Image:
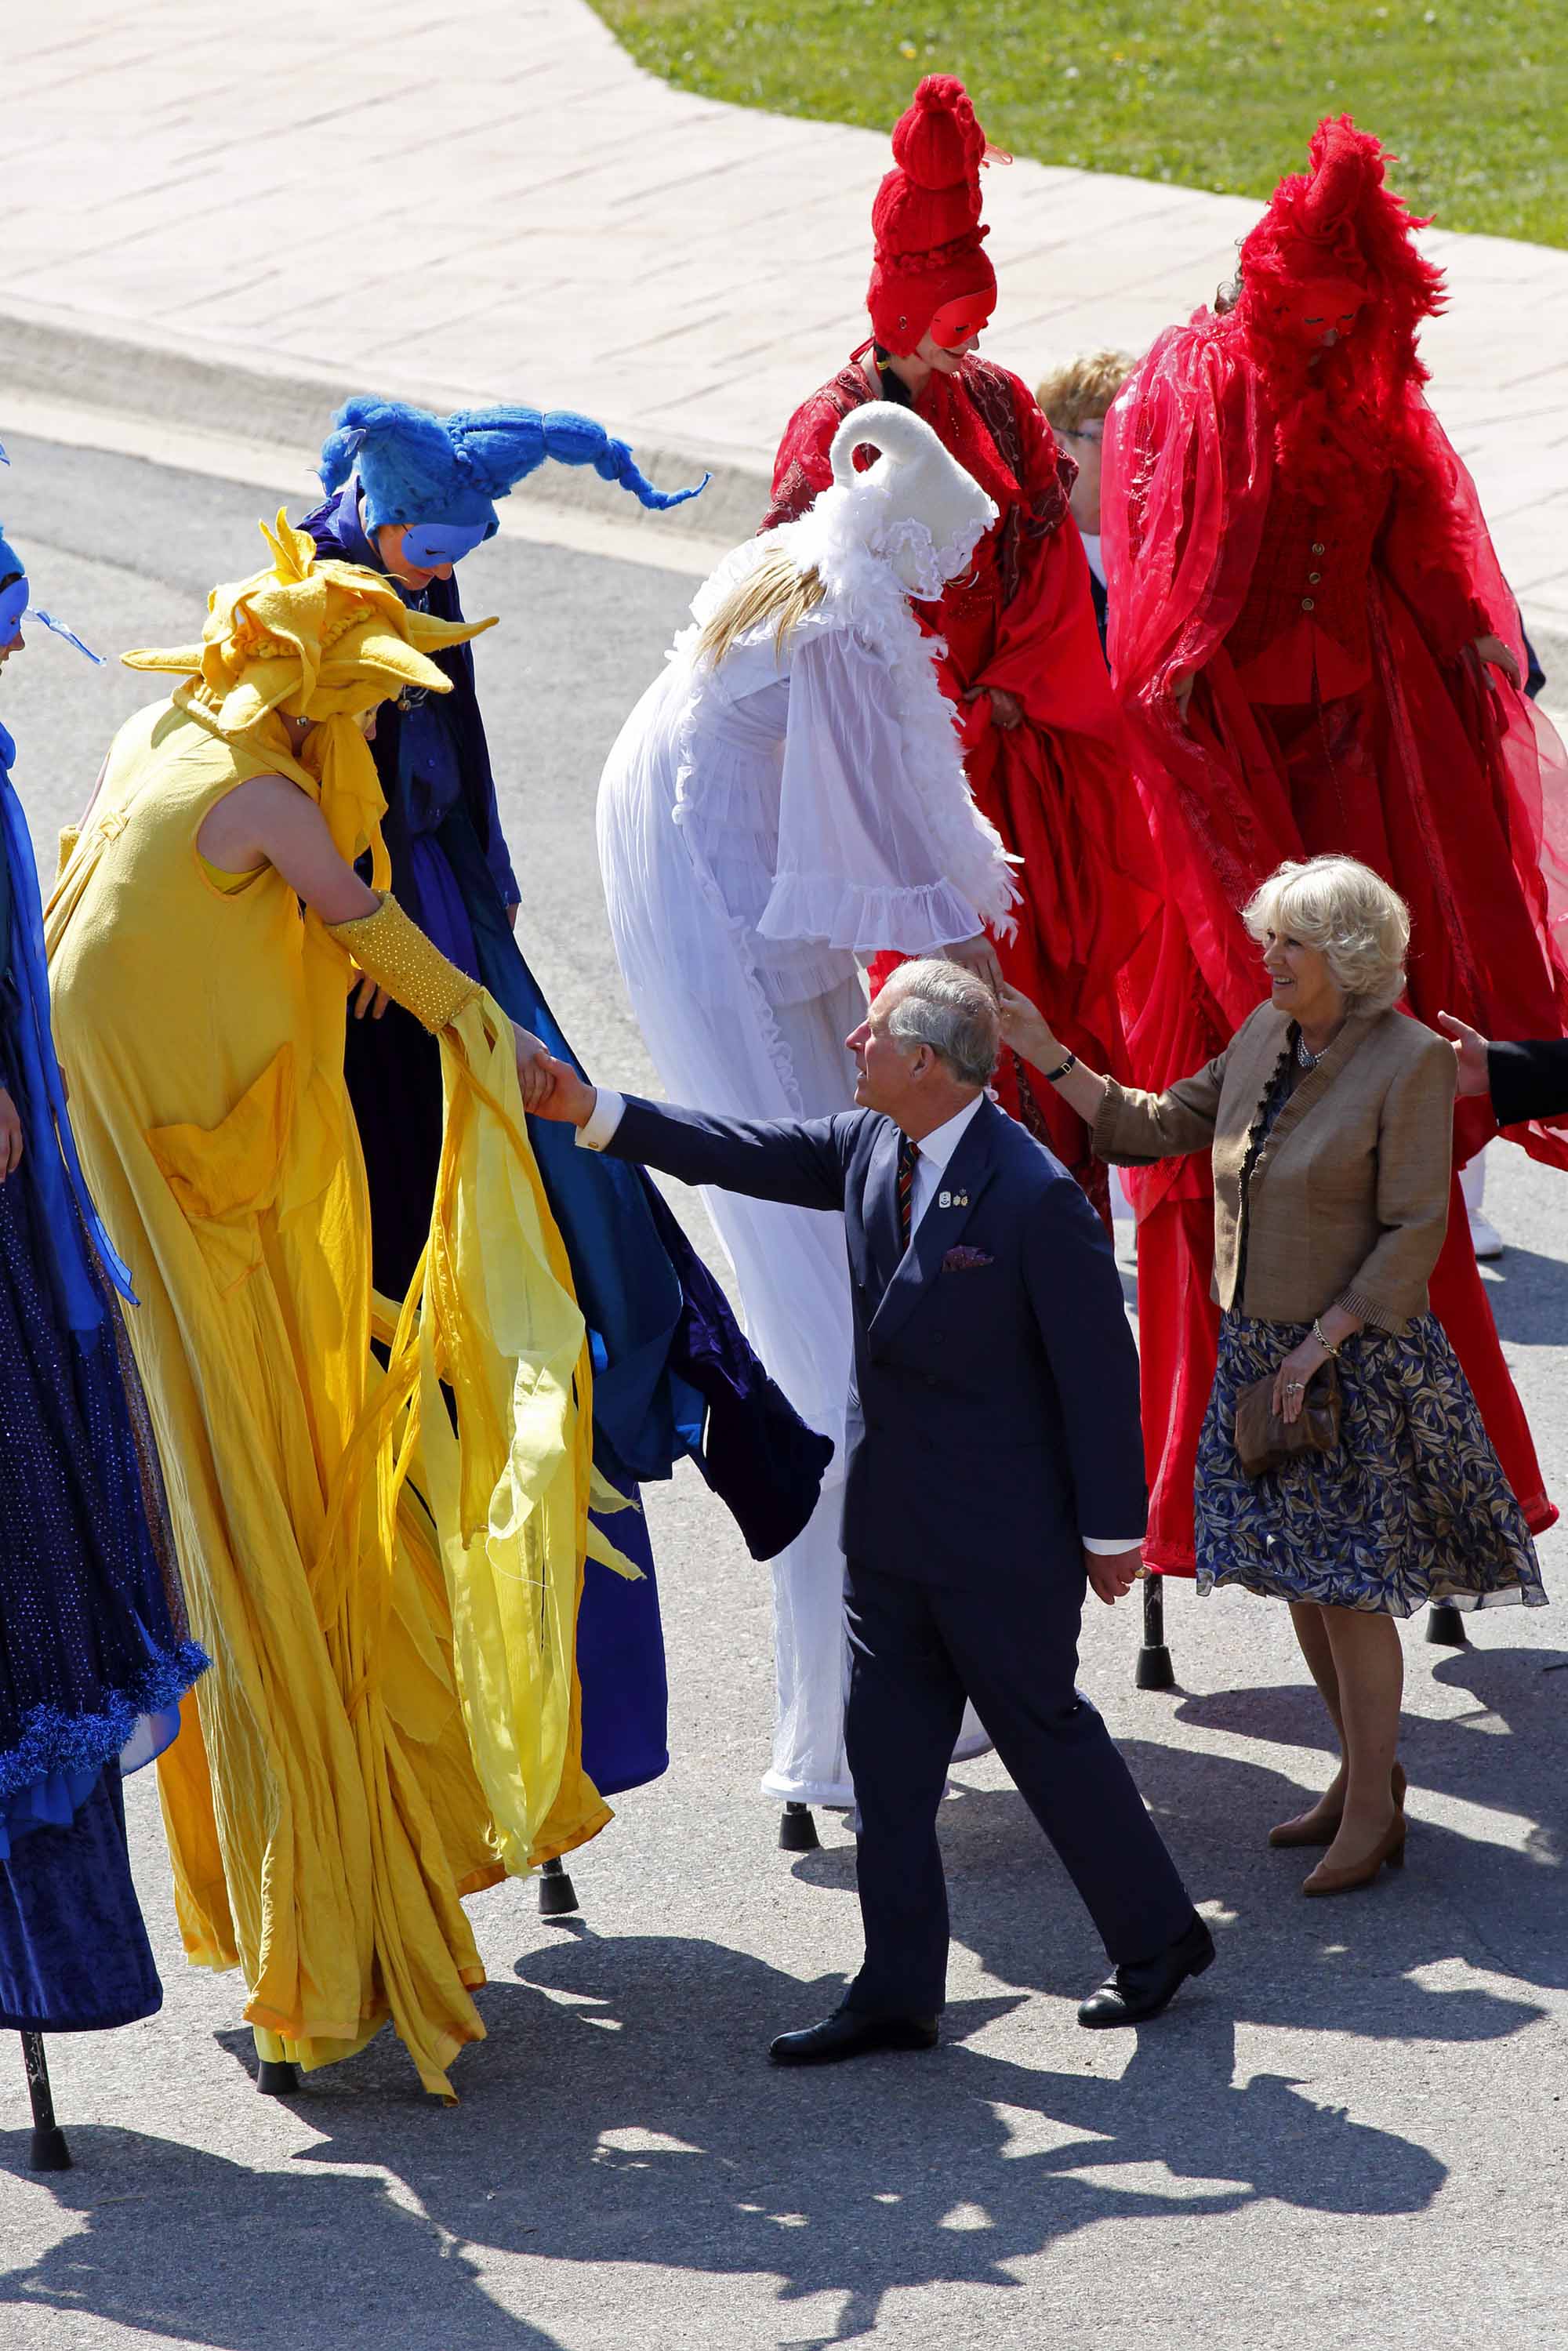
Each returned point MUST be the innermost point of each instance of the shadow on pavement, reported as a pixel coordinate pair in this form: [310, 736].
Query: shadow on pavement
[187, 2247]
[622, 2112]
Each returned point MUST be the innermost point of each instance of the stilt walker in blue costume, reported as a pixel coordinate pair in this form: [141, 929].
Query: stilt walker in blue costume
[410, 494]
[95, 1656]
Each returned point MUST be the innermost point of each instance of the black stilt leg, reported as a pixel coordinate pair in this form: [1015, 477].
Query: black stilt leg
[50, 2151]
[558, 1896]
[797, 1830]
[1155, 1669]
[277, 2080]
[1445, 1625]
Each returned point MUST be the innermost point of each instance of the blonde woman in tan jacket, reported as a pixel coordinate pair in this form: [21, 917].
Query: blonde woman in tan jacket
[1330, 1117]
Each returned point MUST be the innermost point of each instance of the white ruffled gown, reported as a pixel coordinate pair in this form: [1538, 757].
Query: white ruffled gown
[763, 828]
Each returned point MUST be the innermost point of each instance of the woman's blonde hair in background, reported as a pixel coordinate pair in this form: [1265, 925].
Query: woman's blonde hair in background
[1082, 389]
[776, 590]
[1359, 925]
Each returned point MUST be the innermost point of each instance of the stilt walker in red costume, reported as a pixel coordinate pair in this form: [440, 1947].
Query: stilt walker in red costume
[1042, 739]
[1316, 651]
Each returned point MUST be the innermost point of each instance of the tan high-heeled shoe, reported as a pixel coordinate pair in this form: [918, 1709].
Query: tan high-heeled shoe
[1389, 1850]
[1321, 1828]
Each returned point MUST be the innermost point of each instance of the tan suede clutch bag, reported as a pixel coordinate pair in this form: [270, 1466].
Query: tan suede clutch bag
[1265, 1442]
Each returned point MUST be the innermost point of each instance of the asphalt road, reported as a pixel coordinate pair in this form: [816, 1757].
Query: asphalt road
[1350, 2134]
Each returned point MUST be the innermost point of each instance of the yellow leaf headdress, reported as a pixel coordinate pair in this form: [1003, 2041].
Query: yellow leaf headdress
[317, 641]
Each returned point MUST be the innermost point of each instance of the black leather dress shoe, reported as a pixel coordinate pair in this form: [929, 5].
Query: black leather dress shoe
[846, 2033]
[1139, 1988]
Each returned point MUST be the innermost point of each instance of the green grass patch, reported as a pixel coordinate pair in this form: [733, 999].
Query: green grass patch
[1218, 94]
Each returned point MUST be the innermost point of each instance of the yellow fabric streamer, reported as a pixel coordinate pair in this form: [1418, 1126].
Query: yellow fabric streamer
[393, 1715]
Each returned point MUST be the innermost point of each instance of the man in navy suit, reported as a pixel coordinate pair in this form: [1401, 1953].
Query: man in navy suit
[995, 1464]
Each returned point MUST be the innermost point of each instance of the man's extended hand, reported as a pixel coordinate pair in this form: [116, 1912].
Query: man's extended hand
[1113, 1573]
[567, 1099]
[1470, 1052]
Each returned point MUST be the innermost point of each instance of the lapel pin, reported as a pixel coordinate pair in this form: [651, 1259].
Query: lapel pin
[960, 1200]
[943, 1200]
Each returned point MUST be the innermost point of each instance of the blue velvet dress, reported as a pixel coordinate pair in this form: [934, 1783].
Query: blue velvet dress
[94, 1651]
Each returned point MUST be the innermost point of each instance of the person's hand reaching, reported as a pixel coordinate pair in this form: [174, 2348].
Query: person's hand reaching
[569, 1100]
[1025, 1029]
[978, 955]
[535, 1071]
[1470, 1052]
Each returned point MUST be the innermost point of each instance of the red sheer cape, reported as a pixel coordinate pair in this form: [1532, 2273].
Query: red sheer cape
[1472, 825]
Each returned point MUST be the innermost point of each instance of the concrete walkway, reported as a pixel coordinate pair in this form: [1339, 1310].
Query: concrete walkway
[221, 224]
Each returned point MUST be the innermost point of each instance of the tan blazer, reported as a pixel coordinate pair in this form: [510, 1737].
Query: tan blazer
[1348, 1201]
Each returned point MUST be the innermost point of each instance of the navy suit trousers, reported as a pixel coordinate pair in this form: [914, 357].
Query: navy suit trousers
[1011, 1645]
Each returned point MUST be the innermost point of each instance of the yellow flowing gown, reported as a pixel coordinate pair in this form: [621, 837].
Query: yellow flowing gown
[392, 1718]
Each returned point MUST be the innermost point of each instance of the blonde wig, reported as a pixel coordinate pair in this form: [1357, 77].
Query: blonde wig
[775, 590]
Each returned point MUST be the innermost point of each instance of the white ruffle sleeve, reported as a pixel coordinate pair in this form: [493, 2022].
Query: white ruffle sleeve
[864, 861]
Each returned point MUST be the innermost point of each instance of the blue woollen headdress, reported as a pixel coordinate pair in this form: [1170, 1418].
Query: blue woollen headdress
[414, 467]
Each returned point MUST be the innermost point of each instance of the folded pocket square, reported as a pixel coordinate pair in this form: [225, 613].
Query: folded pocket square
[964, 1260]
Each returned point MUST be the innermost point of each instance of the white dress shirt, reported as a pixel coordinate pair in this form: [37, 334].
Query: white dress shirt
[935, 1150]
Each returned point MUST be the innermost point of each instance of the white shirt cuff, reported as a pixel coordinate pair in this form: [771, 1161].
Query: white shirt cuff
[1101, 1545]
[601, 1121]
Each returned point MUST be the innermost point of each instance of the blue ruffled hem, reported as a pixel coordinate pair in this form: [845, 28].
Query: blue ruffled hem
[132, 1725]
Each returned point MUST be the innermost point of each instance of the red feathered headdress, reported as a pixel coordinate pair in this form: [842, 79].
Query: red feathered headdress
[1339, 222]
[1336, 249]
[926, 220]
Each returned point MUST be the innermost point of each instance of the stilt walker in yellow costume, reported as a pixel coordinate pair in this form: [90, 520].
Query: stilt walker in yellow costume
[388, 1590]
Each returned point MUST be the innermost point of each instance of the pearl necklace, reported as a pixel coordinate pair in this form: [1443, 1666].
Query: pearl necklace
[1305, 1059]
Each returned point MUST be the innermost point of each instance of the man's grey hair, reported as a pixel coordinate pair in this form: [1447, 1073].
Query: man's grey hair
[944, 1006]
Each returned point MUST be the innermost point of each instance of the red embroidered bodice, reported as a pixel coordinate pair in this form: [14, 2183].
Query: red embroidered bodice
[989, 420]
[1306, 612]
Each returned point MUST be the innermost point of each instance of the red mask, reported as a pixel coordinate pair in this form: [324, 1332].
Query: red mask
[1310, 307]
[959, 322]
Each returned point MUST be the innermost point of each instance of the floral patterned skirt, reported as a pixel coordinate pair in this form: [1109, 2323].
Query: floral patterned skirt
[1410, 1507]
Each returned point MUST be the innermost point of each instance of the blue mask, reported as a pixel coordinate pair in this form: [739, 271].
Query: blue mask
[428, 544]
[14, 608]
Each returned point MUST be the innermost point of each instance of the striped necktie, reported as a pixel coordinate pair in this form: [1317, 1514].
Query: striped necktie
[908, 1152]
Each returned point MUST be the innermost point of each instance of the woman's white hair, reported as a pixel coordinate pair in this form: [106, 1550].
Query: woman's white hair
[1358, 925]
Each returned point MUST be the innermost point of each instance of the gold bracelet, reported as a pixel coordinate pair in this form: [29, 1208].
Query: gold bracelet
[1322, 1341]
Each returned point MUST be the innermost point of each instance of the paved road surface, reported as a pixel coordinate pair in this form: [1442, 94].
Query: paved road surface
[494, 203]
[1350, 2135]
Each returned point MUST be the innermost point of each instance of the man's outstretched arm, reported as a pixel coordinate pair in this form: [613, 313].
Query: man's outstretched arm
[798, 1161]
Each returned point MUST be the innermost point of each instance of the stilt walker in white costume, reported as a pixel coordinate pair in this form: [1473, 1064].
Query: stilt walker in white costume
[787, 799]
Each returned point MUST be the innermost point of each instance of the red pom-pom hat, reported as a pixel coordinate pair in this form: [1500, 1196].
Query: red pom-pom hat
[930, 269]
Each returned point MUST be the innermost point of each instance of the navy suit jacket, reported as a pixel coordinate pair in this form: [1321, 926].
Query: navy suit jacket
[993, 1418]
